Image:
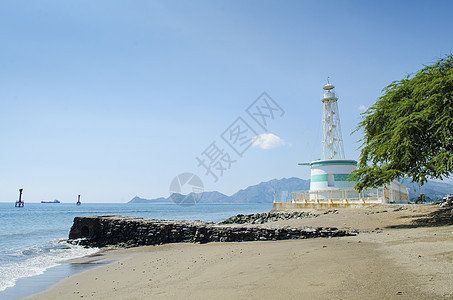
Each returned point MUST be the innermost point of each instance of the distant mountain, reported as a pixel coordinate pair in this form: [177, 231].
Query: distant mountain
[432, 189]
[214, 197]
[264, 192]
[137, 199]
[260, 193]
[205, 197]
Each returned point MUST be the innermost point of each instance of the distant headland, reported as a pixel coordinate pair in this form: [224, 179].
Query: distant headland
[264, 192]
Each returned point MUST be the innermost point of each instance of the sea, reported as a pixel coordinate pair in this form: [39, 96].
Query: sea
[33, 237]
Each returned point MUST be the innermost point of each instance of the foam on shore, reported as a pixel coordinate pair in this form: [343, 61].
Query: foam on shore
[41, 259]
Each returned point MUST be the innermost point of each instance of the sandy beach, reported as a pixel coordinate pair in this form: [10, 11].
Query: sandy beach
[401, 252]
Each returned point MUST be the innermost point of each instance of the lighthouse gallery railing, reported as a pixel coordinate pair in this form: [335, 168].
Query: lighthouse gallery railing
[340, 196]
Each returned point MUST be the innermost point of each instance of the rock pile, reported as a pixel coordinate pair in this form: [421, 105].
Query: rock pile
[267, 217]
[99, 231]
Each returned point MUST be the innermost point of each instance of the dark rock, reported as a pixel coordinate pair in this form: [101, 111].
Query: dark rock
[120, 231]
[261, 218]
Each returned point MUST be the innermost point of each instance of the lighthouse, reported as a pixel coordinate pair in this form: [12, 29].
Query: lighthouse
[333, 170]
[330, 184]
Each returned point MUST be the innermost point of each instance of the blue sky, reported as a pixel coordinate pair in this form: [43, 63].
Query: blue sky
[112, 99]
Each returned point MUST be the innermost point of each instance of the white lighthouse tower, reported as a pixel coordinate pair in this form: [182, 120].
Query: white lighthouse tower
[332, 171]
[332, 142]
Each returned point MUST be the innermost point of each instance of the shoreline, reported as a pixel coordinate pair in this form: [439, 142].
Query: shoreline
[42, 282]
[34, 251]
[393, 256]
[44, 265]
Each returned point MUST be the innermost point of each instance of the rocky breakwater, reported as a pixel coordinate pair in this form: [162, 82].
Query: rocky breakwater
[100, 231]
[262, 218]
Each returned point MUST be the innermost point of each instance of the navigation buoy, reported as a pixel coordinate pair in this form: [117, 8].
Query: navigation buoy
[20, 203]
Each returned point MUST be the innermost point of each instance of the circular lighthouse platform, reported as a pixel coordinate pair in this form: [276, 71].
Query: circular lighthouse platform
[331, 174]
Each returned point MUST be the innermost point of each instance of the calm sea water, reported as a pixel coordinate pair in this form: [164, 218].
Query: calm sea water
[32, 238]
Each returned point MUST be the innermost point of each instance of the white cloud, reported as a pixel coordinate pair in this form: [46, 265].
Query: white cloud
[362, 108]
[267, 141]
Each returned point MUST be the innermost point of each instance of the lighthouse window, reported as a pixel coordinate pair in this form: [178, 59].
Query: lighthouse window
[330, 180]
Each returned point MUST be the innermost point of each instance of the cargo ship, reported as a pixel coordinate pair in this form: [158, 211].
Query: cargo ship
[54, 201]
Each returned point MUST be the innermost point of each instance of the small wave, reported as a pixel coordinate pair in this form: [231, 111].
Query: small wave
[34, 250]
[26, 234]
[36, 265]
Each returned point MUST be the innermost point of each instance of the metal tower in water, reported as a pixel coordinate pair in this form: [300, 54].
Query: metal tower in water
[332, 142]
[20, 203]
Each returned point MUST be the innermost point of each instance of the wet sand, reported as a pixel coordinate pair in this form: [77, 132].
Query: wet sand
[401, 253]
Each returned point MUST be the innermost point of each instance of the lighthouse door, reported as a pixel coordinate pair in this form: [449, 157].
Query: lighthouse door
[330, 180]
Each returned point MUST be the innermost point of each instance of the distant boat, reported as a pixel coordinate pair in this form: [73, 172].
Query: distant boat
[54, 201]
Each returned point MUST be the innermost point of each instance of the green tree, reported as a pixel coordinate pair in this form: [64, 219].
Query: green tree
[421, 199]
[408, 131]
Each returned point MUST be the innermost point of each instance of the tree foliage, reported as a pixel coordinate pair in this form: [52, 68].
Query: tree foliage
[408, 131]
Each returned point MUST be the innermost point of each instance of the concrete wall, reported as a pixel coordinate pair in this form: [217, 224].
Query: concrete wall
[397, 193]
